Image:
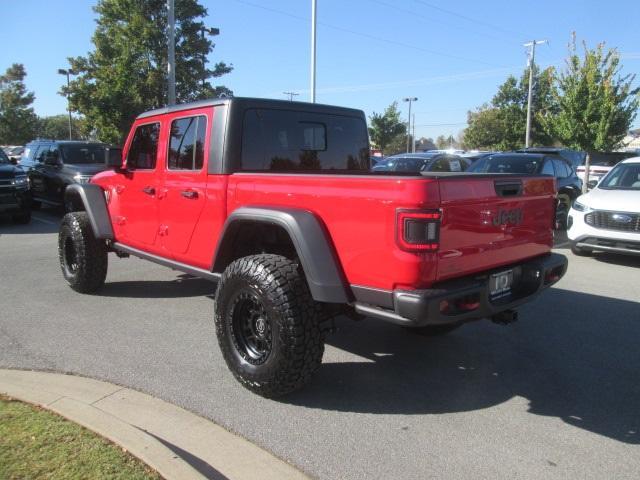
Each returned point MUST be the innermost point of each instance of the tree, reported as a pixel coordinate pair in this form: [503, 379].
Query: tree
[57, 127]
[425, 144]
[596, 104]
[17, 118]
[387, 131]
[501, 125]
[126, 73]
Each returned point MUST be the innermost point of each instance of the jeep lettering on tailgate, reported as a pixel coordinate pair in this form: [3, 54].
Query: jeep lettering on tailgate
[508, 217]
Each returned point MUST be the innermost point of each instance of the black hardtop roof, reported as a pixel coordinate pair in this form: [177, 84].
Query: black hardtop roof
[248, 102]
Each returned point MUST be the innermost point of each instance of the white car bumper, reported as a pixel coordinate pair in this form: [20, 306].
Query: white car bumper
[611, 236]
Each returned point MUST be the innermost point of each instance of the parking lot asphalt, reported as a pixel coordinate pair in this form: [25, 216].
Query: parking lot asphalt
[555, 395]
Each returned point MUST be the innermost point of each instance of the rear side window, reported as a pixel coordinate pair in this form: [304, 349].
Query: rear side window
[186, 148]
[562, 169]
[289, 141]
[144, 147]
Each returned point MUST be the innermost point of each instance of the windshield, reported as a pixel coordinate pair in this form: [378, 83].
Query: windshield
[625, 176]
[402, 164]
[521, 164]
[75, 154]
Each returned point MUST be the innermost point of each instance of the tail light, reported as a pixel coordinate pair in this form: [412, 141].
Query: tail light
[418, 230]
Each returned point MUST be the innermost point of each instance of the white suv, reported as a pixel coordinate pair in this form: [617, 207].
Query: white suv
[608, 217]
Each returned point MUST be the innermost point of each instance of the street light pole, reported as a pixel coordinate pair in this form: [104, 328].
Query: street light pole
[171, 48]
[314, 11]
[68, 72]
[532, 60]
[213, 32]
[410, 100]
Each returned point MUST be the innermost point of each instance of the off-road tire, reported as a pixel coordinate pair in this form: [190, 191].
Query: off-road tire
[580, 252]
[83, 258]
[22, 218]
[433, 330]
[276, 285]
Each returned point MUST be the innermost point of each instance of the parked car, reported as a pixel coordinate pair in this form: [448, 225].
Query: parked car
[276, 202]
[575, 157]
[608, 217]
[422, 162]
[474, 155]
[53, 165]
[601, 163]
[14, 153]
[568, 184]
[15, 197]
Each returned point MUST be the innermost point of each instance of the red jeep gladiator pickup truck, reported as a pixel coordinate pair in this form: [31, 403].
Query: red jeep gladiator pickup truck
[275, 201]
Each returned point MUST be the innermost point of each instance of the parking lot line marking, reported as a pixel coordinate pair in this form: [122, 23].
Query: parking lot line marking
[35, 217]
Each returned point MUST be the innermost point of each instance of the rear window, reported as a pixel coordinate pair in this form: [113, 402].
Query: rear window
[290, 141]
[78, 154]
[508, 164]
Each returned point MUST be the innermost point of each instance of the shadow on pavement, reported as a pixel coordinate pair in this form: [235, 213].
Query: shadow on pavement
[8, 227]
[183, 286]
[573, 356]
[621, 260]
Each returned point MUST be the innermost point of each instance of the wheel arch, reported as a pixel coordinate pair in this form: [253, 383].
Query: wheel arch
[91, 198]
[309, 239]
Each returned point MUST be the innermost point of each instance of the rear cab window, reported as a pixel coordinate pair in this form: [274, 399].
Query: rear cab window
[293, 141]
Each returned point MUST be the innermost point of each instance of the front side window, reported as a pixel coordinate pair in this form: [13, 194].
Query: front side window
[291, 141]
[186, 148]
[144, 147]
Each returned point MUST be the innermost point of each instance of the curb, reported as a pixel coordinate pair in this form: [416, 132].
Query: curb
[176, 443]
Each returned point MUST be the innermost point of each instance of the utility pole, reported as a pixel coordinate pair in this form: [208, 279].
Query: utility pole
[410, 100]
[213, 32]
[532, 60]
[413, 135]
[171, 47]
[291, 95]
[68, 72]
[314, 12]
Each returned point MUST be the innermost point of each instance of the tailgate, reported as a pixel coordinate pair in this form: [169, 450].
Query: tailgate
[493, 220]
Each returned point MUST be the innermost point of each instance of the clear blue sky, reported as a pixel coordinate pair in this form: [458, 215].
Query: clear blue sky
[449, 54]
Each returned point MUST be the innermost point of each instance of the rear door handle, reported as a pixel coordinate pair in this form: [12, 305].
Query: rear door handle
[149, 190]
[189, 194]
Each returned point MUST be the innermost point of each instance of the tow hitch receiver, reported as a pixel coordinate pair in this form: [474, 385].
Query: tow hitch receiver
[505, 318]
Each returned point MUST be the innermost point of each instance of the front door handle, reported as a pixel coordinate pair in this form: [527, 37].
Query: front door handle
[149, 190]
[192, 194]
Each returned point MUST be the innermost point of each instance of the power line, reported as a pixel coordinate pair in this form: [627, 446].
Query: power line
[414, 14]
[291, 95]
[366, 35]
[470, 19]
[440, 124]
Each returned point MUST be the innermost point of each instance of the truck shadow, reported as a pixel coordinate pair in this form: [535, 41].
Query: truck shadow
[182, 286]
[573, 356]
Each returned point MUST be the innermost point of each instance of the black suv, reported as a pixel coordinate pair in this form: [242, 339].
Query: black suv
[15, 198]
[568, 184]
[53, 165]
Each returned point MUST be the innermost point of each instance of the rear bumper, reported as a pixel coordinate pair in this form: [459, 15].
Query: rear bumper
[462, 300]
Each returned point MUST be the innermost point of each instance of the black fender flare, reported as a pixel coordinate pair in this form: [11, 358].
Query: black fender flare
[95, 204]
[309, 237]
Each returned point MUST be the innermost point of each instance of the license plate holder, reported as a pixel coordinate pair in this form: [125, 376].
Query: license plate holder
[500, 284]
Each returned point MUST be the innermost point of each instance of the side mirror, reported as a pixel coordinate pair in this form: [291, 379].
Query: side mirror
[592, 184]
[113, 157]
